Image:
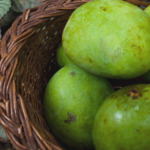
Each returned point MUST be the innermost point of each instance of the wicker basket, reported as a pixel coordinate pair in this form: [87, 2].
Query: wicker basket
[27, 61]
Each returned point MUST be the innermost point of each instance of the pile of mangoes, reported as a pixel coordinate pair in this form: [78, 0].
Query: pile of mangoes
[103, 39]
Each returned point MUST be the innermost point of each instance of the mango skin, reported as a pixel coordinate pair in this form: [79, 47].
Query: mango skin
[147, 74]
[61, 57]
[122, 122]
[72, 98]
[147, 10]
[110, 38]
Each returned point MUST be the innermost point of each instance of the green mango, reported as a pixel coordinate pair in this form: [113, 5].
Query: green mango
[147, 10]
[72, 98]
[147, 74]
[61, 57]
[123, 120]
[110, 38]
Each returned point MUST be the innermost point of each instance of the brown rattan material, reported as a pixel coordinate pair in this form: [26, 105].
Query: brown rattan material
[27, 62]
[143, 3]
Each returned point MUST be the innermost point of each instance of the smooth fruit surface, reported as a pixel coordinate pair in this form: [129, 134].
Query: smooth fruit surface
[147, 74]
[123, 120]
[147, 10]
[111, 38]
[72, 98]
[61, 57]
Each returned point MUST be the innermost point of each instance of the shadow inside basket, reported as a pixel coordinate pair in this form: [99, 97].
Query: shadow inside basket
[36, 64]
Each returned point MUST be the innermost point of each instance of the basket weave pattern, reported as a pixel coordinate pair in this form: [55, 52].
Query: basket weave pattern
[27, 61]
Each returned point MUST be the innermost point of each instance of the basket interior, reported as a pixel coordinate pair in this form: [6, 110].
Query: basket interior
[36, 64]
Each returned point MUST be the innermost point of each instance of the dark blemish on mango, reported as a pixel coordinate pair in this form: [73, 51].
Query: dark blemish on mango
[134, 93]
[114, 96]
[89, 60]
[72, 73]
[71, 118]
[105, 120]
[125, 109]
[103, 8]
[137, 47]
[140, 49]
[133, 45]
[118, 106]
[137, 130]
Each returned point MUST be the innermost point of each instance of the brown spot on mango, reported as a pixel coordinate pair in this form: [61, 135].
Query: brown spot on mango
[103, 8]
[71, 118]
[72, 73]
[133, 45]
[137, 130]
[105, 120]
[134, 93]
[89, 60]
